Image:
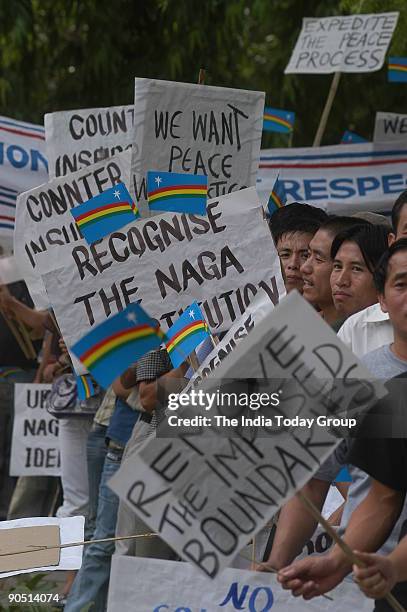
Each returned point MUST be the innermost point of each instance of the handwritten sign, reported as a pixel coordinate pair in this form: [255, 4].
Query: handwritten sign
[168, 262]
[154, 585]
[182, 127]
[341, 178]
[351, 43]
[45, 224]
[207, 494]
[80, 138]
[390, 127]
[35, 447]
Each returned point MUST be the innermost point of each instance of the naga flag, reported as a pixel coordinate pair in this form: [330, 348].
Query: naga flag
[186, 334]
[105, 213]
[177, 192]
[349, 137]
[397, 70]
[108, 349]
[278, 120]
[278, 197]
[84, 387]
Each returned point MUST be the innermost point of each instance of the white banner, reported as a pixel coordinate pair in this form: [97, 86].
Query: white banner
[351, 43]
[154, 585]
[390, 127]
[207, 494]
[71, 530]
[340, 178]
[181, 127]
[168, 263]
[9, 270]
[45, 224]
[23, 165]
[35, 445]
[77, 139]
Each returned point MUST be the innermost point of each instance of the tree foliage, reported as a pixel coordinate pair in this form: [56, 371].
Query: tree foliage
[64, 54]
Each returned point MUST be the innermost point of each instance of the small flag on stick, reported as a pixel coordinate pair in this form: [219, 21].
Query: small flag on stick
[105, 213]
[186, 334]
[278, 197]
[349, 137]
[278, 120]
[397, 70]
[84, 387]
[177, 192]
[111, 347]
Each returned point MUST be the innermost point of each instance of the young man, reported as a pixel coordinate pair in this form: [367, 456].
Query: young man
[355, 253]
[371, 328]
[293, 227]
[368, 523]
[316, 270]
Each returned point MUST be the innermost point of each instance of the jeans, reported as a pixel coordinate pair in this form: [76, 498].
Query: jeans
[96, 452]
[91, 584]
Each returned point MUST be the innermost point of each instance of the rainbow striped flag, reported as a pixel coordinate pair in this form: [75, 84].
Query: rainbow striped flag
[278, 197]
[349, 137]
[397, 70]
[278, 120]
[84, 387]
[108, 349]
[177, 192]
[186, 334]
[105, 213]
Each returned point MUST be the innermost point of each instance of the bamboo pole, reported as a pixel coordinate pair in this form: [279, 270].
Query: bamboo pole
[327, 109]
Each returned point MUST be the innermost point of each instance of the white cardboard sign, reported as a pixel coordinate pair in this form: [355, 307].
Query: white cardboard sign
[390, 127]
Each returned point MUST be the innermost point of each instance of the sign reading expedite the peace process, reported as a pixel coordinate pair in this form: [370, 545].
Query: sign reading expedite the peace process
[350, 43]
[167, 262]
[79, 138]
[181, 127]
[207, 494]
[44, 223]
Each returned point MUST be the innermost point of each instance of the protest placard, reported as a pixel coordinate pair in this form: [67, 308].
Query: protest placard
[79, 138]
[341, 178]
[44, 223]
[390, 127]
[207, 494]
[35, 446]
[350, 43]
[182, 127]
[23, 165]
[155, 585]
[168, 262]
[9, 270]
[71, 529]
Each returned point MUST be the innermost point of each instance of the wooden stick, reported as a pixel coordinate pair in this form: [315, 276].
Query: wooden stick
[193, 360]
[313, 510]
[214, 340]
[27, 339]
[201, 76]
[327, 109]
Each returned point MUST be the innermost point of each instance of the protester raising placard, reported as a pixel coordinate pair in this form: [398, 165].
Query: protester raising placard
[80, 138]
[181, 127]
[350, 43]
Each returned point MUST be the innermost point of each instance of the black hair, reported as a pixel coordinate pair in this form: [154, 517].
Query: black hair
[396, 210]
[380, 273]
[372, 241]
[336, 224]
[296, 217]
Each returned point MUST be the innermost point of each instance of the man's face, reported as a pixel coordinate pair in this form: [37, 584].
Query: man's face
[292, 249]
[394, 300]
[316, 271]
[352, 283]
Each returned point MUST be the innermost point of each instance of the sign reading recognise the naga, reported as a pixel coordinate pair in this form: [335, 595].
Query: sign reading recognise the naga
[341, 178]
[35, 446]
[390, 127]
[207, 494]
[166, 263]
[44, 223]
[79, 138]
[350, 43]
[182, 127]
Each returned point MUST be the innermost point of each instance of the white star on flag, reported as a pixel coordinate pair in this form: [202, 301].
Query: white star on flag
[117, 194]
[158, 180]
[192, 314]
[132, 317]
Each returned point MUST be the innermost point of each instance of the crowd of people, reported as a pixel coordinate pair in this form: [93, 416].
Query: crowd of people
[353, 270]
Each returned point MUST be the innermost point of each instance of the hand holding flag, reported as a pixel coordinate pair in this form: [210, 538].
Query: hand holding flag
[278, 197]
[186, 334]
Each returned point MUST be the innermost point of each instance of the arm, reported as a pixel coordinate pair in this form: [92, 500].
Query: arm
[148, 390]
[380, 573]
[35, 319]
[120, 390]
[295, 526]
